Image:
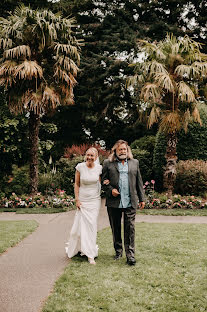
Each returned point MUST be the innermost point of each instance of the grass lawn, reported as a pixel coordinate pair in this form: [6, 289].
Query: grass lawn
[36, 210]
[174, 212]
[170, 274]
[12, 232]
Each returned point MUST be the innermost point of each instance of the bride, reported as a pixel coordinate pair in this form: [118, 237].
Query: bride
[88, 201]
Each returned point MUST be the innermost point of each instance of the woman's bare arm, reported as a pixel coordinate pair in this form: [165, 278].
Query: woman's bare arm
[76, 189]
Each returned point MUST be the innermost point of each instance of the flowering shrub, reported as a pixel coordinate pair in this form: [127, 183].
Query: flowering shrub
[149, 188]
[57, 198]
[80, 150]
[161, 201]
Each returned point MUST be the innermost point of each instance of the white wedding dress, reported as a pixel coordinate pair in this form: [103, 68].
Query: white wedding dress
[84, 230]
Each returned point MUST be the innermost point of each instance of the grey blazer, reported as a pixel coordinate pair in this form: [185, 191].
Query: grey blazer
[110, 172]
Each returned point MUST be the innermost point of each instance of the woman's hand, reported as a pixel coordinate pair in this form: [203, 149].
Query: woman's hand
[106, 182]
[78, 204]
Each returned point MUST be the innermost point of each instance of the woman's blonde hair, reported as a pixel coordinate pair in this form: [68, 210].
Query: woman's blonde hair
[94, 150]
[113, 156]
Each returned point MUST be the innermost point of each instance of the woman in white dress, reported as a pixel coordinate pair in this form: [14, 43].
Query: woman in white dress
[88, 201]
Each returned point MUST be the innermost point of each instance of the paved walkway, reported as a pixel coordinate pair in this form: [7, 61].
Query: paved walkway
[29, 270]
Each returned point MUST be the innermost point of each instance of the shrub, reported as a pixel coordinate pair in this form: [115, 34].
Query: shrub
[191, 177]
[191, 145]
[146, 143]
[18, 182]
[80, 150]
[49, 180]
[66, 168]
[145, 163]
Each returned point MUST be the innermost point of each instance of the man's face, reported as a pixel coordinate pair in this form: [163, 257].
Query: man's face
[121, 151]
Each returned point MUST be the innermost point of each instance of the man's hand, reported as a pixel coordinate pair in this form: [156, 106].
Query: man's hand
[106, 182]
[115, 192]
[141, 205]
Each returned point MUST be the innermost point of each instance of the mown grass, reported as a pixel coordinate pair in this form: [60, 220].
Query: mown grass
[174, 212]
[170, 274]
[12, 232]
[37, 210]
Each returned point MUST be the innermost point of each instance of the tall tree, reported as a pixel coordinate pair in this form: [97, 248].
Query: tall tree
[38, 68]
[167, 79]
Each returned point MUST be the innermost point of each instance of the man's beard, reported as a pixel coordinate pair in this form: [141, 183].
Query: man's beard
[122, 157]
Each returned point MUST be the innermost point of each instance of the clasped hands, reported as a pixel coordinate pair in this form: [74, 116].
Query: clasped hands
[115, 193]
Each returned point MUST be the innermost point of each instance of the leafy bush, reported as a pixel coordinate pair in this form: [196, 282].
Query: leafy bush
[66, 167]
[191, 145]
[146, 143]
[80, 150]
[159, 160]
[49, 180]
[191, 177]
[145, 163]
[18, 182]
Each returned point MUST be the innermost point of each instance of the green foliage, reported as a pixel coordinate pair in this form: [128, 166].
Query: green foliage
[146, 143]
[145, 163]
[49, 181]
[191, 145]
[20, 180]
[191, 178]
[159, 159]
[67, 169]
[13, 138]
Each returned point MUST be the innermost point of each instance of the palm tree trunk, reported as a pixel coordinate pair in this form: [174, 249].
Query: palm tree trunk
[171, 162]
[34, 122]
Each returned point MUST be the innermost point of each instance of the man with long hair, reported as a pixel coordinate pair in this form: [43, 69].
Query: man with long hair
[123, 186]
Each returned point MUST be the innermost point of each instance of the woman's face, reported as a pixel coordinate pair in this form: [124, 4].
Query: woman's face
[90, 157]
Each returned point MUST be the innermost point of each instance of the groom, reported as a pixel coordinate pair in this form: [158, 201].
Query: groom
[122, 183]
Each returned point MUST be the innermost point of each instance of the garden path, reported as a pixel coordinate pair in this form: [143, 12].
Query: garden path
[29, 270]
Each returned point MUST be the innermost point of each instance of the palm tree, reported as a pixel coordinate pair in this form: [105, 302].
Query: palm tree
[38, 68]
[167, 80]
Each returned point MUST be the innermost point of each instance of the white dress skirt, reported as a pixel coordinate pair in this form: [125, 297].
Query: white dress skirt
[84, 230]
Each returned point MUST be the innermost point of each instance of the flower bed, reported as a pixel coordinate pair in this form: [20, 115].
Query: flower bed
[53, 199]
[161, 201]
[177, 202]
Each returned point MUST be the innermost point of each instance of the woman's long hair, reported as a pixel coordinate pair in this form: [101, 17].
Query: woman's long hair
[113, 156]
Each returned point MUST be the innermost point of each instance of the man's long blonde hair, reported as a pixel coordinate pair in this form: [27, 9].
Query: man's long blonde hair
[113, 156]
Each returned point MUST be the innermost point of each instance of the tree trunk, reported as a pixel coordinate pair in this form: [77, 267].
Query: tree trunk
[170, 168]
[34, 122]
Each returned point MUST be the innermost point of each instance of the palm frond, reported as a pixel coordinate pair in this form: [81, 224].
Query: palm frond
[68, 64]
[170, 122]
[163, 80]
[134, 80]
[201, 67]
[196, 115]
[8, 68]
[64, 76]
[184, 71]
[50, 98]
[150, 93]
[17, 52]
[185, 94]
[5, 43]
[68, 50]
[152, 49]
[32, 101]
[186, 118]
[154, 116]
[28, 70]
